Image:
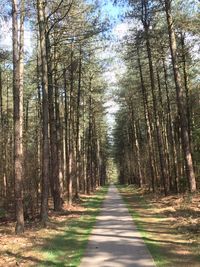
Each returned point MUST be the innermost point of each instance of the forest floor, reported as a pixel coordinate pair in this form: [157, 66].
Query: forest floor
[170, 225]
[59, 244]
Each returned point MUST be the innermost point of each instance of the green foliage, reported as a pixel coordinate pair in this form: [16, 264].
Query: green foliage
[138, 106]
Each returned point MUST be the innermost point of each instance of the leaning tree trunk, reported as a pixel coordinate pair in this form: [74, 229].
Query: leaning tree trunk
[185, 140]
[18, 71]
[45, 114]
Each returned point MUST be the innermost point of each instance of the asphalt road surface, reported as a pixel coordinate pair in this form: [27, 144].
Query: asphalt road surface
[115, 241]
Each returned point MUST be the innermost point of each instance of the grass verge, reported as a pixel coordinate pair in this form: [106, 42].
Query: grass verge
[160, 229]
[67, 248]
[61, 244]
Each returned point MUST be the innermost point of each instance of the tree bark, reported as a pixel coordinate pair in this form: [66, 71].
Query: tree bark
[1, 99]
[45, 114]
[146, 25]
[54, 168]
[180, 101]
[18, 72]
[78, 125]
[147, 120]
[171, 132]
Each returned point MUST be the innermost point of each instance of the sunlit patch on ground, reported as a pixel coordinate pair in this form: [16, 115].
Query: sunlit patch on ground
[170, 225]
[60, 243]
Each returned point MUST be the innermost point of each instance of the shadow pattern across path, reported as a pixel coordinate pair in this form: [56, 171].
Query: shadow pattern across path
[115, 241]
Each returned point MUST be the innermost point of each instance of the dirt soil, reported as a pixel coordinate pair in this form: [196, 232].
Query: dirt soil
[23, 250]
[172, 225]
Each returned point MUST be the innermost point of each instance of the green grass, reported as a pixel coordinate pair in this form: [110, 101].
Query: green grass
[67, 248]
[153, 246]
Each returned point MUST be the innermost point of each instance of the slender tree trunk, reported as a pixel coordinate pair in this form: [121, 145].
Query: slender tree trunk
[162, 120]
[148, 123]
[18, 71]
[186, 84]
[78, 126]
[59, 137]
[84, 151]
[157, 125]
[71, 132]
[171, 132]
[138, 157]
[180, 101]
[89, 145]
[54, 168]
[45, 114]
[1, 99]
[66, 114]
[39, 117]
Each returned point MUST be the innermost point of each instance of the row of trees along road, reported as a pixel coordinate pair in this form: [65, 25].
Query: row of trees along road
[159, 94]
[57, 145]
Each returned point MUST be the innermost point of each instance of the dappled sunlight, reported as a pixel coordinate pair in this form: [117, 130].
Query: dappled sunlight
[61, 242]
[114, 240]
[161, 224]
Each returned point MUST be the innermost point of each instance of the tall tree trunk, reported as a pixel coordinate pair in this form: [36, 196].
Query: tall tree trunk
[180, 101]
[59, 137]
[157, 124]
[54, 168]
[71, 132]
[45, 115]
[138, 154]
[186, 84]
[1, 99]
[78, 125]
[171, 131]
[84, 151]
[147, 120]
[18, 71]
[66, 115]
[162, 123]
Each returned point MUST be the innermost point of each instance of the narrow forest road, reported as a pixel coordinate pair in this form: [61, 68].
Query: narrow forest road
[115, 241]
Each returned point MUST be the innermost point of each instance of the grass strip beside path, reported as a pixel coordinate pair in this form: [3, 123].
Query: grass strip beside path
[159, 230]
[60, 244]
[66, 249]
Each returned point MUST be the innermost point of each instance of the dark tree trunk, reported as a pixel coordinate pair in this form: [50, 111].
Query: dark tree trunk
[45, 115]
[148, 123]
[54, 168]
[171, 132]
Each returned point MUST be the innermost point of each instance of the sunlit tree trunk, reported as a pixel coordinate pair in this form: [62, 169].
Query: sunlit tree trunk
[18, 74]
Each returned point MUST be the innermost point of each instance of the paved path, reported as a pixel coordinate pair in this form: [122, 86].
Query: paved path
[115, 241]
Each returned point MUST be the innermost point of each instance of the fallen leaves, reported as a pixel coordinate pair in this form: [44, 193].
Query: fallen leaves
[173, 222]
[20, 250]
